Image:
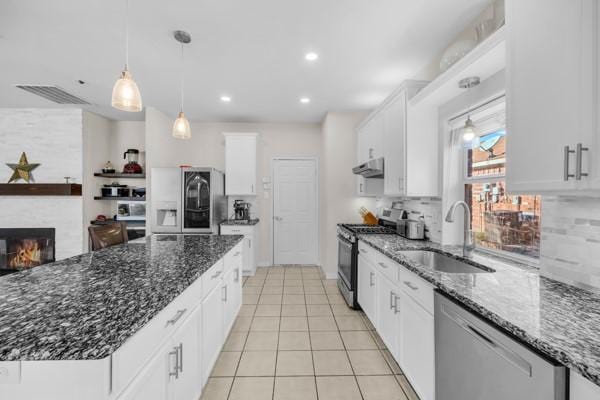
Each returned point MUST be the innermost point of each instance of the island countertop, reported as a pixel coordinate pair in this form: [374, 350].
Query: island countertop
[559, 320]
[85, 307]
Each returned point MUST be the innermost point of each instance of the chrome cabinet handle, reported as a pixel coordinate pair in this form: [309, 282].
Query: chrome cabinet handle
[396, 311]
[371, 275]
[177, 316]
[361, 188]
[180, 357]
[174, 353]
[410, 285]
[371, 152]
[249, 243]
[567, 154]
[579, 157]
[224, 293]
[392, 295]
[237, 275]
[216, 275]
[383, 265]
[252, 191]
[237, 253]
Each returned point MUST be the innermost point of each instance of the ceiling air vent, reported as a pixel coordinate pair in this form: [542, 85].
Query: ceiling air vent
[52, 93]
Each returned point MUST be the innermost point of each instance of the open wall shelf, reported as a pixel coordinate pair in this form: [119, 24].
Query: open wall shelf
[40, 189]
[120, 175]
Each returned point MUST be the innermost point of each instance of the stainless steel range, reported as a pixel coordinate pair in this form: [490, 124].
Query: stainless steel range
[348, 257]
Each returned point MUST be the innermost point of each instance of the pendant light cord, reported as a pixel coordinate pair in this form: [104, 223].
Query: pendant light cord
[126, 34]
[181, 77]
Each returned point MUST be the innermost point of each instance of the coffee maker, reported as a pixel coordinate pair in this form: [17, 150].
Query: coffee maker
[241, 210]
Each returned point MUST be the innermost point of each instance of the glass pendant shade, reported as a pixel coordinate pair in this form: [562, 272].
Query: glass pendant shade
[469, 130]
[181, 127]
[126, 95]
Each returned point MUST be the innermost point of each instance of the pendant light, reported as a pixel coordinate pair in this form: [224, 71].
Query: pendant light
[181, 127]
[469, 130]
[126, 95]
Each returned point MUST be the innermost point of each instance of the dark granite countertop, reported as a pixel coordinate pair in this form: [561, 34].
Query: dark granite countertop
[559, 320]
[249, 222]
[86, 306]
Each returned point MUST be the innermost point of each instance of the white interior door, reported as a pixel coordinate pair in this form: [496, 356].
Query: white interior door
[295, 227]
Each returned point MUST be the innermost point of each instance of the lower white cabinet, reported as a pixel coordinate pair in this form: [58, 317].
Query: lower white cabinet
[249, 245]
[417, 347]
[400, 306]
[367, 288]
[388, 308]
[212, 330]
[151, 383]
[582, 389]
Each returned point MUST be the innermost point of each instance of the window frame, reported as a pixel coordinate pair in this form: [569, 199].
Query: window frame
[489, 121]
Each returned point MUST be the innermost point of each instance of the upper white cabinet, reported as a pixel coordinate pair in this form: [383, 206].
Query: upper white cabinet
[552, 78]
[411, 154]
[240, 163]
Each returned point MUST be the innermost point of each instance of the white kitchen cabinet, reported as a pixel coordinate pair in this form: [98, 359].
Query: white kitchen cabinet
[552, 80]
[411, 154]
[240, 164]
[367, 288]
[582, 389]
[184, 373]
[249, 245]
[152, 382]
[231, 296]
[388, 310]
[212, 330]
[417, 346]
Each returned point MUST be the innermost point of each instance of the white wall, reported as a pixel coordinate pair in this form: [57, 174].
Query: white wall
[52, 138]
[339, 202]
[207, 148]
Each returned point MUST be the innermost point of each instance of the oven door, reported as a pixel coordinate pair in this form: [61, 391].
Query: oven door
[345, 261]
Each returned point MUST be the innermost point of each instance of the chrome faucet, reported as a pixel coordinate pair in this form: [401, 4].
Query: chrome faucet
[468, 245]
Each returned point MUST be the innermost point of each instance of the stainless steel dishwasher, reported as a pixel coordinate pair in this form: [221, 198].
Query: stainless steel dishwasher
[476, 361]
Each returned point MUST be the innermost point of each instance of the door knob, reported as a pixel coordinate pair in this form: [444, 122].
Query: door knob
[277, 218]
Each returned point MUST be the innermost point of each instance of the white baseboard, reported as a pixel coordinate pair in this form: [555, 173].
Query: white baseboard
[263, 264]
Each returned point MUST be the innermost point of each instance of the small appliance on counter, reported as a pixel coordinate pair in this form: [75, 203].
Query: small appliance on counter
[114, 189]
[414, 229]
[241, 210]
[108, 168]
[132, 167]
[128, 210]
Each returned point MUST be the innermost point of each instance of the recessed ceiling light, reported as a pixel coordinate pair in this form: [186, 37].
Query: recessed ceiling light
[304, 100]
[225, 99]
[311, 56]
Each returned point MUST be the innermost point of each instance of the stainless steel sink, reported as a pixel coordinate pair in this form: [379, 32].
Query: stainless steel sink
[443, 263]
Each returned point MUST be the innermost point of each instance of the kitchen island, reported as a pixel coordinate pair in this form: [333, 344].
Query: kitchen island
[139, 320]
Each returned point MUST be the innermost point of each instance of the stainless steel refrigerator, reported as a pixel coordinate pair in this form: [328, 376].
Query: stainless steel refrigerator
[187, 200]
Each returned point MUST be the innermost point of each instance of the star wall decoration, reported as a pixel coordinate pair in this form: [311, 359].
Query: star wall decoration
[22, 170]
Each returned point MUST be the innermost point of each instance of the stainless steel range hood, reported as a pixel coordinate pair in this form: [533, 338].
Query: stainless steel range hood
[370, 169]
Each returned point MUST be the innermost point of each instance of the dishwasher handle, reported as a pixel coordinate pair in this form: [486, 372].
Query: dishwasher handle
[498, 348]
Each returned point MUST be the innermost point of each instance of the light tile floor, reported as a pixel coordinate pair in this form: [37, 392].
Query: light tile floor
[295, 339]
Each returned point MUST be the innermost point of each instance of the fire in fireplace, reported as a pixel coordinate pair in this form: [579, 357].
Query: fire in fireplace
[22, 248]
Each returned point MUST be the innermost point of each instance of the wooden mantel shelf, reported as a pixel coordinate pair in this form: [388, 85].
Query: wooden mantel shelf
[40, 189]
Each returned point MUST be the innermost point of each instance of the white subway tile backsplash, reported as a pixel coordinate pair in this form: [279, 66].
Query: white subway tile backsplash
[429, 208]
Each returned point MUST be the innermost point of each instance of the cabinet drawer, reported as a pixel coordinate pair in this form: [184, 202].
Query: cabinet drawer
[236, 230]
[212, 277]
[367, 252]
[388, 267]
[417, 288]
[129, 359]
[233, 259]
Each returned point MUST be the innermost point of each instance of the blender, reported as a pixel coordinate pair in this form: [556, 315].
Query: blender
[132, 166]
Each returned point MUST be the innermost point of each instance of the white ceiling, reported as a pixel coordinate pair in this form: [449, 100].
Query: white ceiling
[251, 50]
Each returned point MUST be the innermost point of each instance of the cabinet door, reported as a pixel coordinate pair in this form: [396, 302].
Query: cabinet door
[374, 136]
[152, 382]
[367, 286]
[388, 308]
[240, 165]
[249, 255]
[231, 297]
[212, 330]
[417, 351]
[550, 92]
[185, 384]
[394, 139]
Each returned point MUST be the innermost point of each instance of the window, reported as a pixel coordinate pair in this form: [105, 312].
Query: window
[500, 221]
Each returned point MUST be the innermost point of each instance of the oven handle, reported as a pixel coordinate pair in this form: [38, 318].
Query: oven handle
[344, 242]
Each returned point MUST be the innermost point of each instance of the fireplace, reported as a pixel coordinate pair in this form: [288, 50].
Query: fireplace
[23, 248]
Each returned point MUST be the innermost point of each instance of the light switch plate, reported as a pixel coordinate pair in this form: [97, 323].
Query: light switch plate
[10, 372]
